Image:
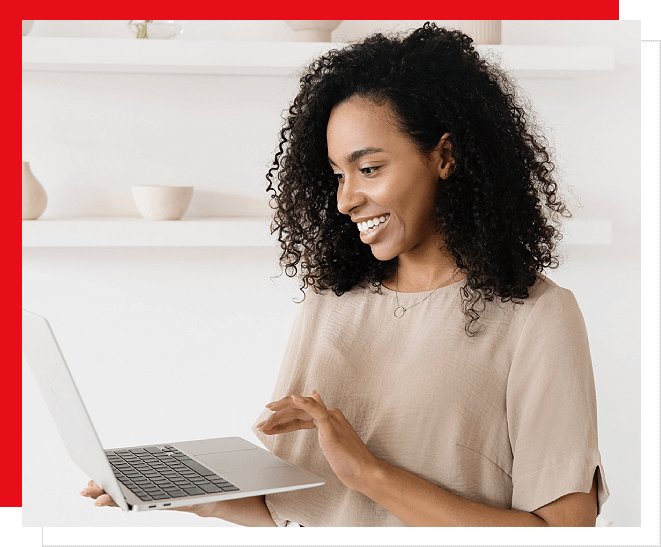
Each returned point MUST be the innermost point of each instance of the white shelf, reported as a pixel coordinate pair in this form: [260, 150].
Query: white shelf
[137, 232]
[206, 232]
[268, 58]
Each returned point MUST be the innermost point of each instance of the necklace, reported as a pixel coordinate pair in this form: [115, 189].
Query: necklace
[401, 310]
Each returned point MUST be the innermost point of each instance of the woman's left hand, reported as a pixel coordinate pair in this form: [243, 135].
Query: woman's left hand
[346, 453]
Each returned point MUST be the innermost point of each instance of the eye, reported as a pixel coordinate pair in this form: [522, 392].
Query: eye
[339, 177]
[368, 170]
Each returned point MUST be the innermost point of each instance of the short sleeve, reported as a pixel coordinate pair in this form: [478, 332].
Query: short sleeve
[552, 406]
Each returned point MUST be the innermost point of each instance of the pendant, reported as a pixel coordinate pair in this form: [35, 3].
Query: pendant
[399, 311]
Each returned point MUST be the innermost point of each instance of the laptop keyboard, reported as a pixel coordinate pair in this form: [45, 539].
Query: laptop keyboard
[154, 473]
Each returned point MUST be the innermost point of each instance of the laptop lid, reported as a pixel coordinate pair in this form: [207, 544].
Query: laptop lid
[66, 405]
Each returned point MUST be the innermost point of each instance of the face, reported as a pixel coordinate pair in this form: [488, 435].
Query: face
[385, 184]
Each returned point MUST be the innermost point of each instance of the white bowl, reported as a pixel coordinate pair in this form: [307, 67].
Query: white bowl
[313, 31]
[162, 202]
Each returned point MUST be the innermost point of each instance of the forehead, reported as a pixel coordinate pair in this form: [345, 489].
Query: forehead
[360, 121]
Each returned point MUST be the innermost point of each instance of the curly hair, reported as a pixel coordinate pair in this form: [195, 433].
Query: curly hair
[499, 211]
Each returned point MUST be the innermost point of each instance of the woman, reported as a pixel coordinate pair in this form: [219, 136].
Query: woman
[418, 205]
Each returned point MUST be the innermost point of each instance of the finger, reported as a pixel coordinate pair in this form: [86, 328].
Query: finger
[105, 501]
[92, 490]
[285, 402]
[314, 408]
[317, 397]
[283, 416]
[293, 425]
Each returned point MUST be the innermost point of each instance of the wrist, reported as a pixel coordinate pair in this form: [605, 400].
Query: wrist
[373, 473]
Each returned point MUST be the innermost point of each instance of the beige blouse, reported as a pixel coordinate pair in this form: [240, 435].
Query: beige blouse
[507, 418]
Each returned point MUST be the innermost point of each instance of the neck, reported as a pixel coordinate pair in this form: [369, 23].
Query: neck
[412, 276]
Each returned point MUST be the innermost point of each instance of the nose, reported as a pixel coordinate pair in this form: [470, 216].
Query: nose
[349, 195]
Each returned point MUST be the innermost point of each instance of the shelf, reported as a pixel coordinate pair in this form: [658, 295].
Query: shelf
[207, 232]
[268, 58]
[137, 232]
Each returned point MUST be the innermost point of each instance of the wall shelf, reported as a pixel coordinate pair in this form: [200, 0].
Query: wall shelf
[103, 55]
[137, 232]
[207, 232]
[268, 58]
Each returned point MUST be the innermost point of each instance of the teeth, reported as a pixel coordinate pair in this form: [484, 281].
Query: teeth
[372, 223]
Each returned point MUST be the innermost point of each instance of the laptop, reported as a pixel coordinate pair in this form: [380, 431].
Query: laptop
[149, 477]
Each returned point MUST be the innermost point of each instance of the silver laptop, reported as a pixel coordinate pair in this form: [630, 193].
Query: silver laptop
[147, 477]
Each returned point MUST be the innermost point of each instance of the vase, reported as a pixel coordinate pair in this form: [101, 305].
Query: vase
[482, 32]
[27, 27]
[34, 195]
[313, 31]
[155, 30]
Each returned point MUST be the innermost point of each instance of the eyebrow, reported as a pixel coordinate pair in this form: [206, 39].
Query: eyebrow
[357, 154]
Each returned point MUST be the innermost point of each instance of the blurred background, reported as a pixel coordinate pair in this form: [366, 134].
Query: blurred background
[174, 340]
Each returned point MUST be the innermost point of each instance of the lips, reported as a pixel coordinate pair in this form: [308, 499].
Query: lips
[369, 233]
[373, 223]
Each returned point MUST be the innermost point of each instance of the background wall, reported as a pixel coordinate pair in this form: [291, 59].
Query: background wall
[181, 343]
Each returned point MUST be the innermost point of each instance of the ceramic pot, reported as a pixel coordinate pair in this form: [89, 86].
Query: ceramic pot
[162, 202]
[34, 195]
[313, 31]
[27, 27]
[482, 32]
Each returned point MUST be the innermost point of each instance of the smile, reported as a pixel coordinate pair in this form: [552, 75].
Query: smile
[372, 224]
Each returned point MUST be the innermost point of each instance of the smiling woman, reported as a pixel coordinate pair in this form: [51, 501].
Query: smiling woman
[410, 175]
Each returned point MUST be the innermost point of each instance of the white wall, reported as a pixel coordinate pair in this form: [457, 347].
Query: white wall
[177, 343]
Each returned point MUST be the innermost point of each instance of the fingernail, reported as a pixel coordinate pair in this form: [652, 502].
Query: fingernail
[314, 391]
[84, 494]
[260, 424]
[269, 405]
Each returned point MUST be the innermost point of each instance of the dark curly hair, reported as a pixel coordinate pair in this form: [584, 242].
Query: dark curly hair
[498, 213]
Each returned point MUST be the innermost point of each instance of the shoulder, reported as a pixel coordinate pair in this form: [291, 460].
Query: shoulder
[549, 299]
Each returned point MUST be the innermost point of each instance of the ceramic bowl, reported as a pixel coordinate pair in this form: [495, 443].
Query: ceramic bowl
[313, 31]
[162, 202]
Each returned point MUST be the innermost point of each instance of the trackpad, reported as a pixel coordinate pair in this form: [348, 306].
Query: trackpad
[224, 462]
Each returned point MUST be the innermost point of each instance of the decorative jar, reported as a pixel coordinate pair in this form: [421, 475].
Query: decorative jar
[34, 195]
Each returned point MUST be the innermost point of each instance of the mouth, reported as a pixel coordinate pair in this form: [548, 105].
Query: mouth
[373, 225]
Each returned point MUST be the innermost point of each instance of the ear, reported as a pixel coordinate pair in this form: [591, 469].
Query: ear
[444, 157]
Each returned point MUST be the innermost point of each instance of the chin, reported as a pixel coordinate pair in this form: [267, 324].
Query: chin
[383, 255]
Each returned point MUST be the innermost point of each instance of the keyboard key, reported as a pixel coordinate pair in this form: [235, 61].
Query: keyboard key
[210, 488]
[160, 496]
[177, 494]
[230, 488]
[198, 468]
[193, 491]
[153, 449]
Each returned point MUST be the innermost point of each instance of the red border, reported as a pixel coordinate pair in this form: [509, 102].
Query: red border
[11, 398]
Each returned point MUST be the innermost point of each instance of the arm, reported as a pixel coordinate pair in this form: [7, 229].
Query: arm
[418, 502]
[410, 498]
[244, 511]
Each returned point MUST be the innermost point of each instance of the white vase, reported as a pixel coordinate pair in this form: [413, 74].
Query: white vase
[482, 32]
[34, 195]
[27, 27]
[313, 31]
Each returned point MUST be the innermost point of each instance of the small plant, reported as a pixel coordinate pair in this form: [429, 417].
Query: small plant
[141, 28]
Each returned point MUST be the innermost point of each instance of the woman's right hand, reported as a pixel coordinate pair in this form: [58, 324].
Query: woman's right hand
[94, 491]
[243, 511]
